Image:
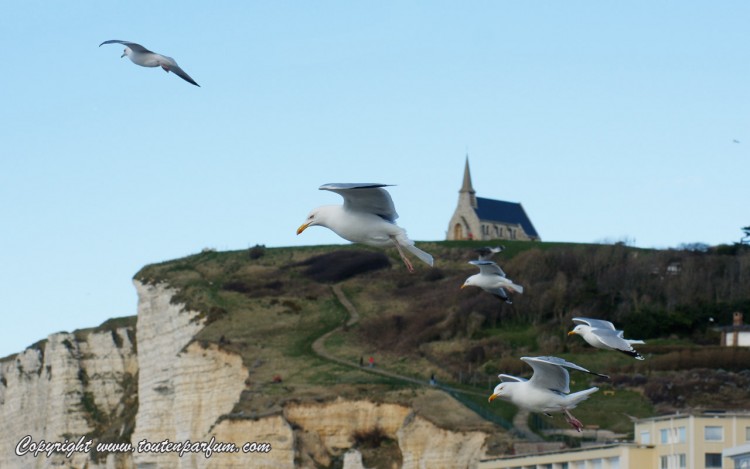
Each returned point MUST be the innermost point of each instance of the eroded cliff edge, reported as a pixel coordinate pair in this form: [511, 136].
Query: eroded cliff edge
[103, 385]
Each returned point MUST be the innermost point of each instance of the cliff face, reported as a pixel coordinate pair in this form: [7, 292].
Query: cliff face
[169, 388]
[63, 389]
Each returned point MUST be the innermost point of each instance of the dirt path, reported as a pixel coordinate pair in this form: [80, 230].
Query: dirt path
[520, 421]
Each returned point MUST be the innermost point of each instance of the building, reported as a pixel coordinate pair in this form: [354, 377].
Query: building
[679, 441]
[484, 219]
[736, 335]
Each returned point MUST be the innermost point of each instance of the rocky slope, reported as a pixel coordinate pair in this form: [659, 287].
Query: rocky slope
[101, 385]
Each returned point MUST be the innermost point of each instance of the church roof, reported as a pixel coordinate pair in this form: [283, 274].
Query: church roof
[504, 212]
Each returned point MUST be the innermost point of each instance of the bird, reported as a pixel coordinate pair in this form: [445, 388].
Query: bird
[139, 55]
[602, 334]
[368, 216]
[492, 279]
[547, 391]
[486, 252]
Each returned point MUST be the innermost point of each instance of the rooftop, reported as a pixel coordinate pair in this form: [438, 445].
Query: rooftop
[505, 212]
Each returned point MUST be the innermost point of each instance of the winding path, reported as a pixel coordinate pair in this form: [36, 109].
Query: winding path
[520, 421]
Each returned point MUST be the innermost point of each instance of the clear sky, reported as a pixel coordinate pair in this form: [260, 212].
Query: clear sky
[606, 120]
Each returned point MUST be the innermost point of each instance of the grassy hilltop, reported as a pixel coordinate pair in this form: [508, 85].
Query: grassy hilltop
[271, 305]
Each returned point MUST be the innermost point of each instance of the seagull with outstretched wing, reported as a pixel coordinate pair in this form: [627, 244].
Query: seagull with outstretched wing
[367, 216]
[493, 280]
[602, 334]
[547, 391]
[139, 55]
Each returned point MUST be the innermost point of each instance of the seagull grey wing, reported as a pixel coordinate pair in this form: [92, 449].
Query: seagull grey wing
[181, 73]
[488, 268]
[133, 46]
[611, 339]
[549, 373]
[595, 323]
[562, 362]
[510, 378]
[500, 293]
[486, 252]
[370, 198]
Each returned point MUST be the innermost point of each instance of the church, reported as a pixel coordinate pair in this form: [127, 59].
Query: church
[484, 219]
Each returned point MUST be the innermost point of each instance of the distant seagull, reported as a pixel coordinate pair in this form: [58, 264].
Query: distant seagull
[736, 141]
[602, 334]
[487, 252]
[492, 279]
[139, 55]
[547, 391]
[367, 216]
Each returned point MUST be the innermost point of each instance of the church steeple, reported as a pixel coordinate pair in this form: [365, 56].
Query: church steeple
[467, 190]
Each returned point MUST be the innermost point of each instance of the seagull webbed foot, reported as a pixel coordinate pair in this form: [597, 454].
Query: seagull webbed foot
[574, 422]
[409, 265]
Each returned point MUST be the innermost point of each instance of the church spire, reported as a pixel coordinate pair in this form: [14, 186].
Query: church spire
[467, 190]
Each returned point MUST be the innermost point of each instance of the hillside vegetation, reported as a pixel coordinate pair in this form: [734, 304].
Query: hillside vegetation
[270, 305]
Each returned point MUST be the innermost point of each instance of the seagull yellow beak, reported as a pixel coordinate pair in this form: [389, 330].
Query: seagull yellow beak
[462, 286]
[493, 397]
[572, 333]
[302, 228]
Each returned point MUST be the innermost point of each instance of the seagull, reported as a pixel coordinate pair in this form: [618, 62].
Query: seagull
[486, 252]
[367, 216]
[492, 279]
[139, 55]
[602, 334]
[547, 391]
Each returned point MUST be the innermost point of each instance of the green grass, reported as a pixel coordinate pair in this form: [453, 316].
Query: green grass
[273, 328]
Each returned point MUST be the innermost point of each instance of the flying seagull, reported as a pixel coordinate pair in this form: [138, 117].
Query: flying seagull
[492, 279]
[602, 334]
[367, 216]
[547, 391]
[139, 55]
[486, 252]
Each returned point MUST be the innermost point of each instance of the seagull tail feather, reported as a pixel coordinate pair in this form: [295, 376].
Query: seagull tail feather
[632, 342]
[578, 397]
[516, 288]
[423, 256]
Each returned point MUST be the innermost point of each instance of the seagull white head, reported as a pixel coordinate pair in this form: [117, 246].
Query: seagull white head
[469, 282]
[580, 329]
[126, 51]
[317, 217]
[501, 391]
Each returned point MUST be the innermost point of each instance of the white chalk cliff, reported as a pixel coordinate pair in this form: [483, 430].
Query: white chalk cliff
[90, 383]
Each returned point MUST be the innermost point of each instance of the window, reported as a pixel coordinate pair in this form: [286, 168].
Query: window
[681, 435]
[596, 464]
[683, 460]
[664, 435]
[747, 433]
[645, 438]
[664, 462]
[713, 460]
[614, 463]
[714, 433]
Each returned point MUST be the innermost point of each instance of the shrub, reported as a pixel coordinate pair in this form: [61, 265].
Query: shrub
[257, 251]
[341, 265]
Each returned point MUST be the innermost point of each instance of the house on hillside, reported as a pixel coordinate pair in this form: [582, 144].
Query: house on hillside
[485, 219]
[676, 441]
[736, 335]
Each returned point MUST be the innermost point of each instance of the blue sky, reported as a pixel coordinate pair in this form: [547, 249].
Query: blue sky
[607, 120]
